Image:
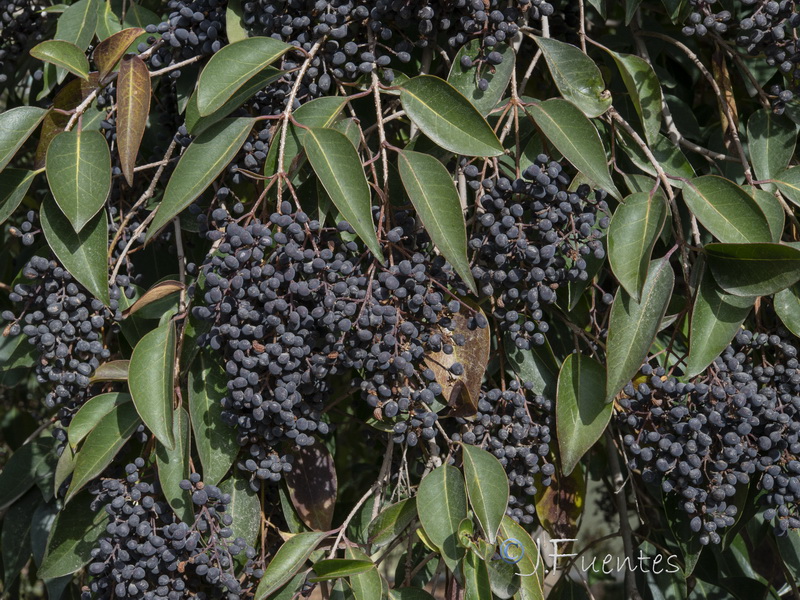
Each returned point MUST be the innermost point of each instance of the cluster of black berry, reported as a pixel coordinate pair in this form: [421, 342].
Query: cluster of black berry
[23, 24]
[66, 324]
[149, 554]
[517, 430]
[530, 237]
[736, 423]
[193, 28]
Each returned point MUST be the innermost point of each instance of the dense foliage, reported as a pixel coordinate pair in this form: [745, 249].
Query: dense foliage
[399, 299]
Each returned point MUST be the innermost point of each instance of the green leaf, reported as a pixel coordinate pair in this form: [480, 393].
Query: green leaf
[150, 381]
[788, 183]
[196, 124]
[113, 370]
[787, 307]
[73, 536]
[173, 467]
[111, 50]
[16, 537]
[633, 326]
[79, 173]
[726, 210]
[771, 140]
[434, 196]
[632, 235]
[582, 413]
[537, 365]
[133, 108]
[77, 24]
[476, 578]
[91, 413]
[410, 594]
[14, 184]
[232, 67]
[503, 578]
[336, 163]
[753, 269]
[102, 445]
[772, 209]
[576, 76]
[447, 117]
[287, 561]
[576, 138]
[667, 155]
[442, 505]
[368, 585]
[644, 88]
[215, 445]
[498, 76]
[107, 23]
[245, 508]
[82, 254]
[16, 125]
[391, 521]
[20, 472]
[234, 24]
[716, 317]
[313, 486]
[487, 486]
[334, 568]
[63, 54]
[201, 163]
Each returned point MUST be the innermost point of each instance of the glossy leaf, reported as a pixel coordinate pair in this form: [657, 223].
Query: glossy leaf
[336, 163]
[16, 125]
[77, 23]
[788, 183]
[644, 89]
[196, 124]
[201, 163]
[576, 138]
[215, 445]
[111, 50]
[716, 317]
[391, 521]
[537, 365]
[753, 269]
[368, 585]
[442, 505]
[14, 184]
[73, 536]
[173, 467]
[787, 307]
[79, 173]
[133, 108]
[63, 54]
[726, 210]
[434, 196]
[771, 140]
[155, 293]
[633, 325]
[313, 486]
[245, 508]
[576, 76]
[83, 254]
[669, 157]
[530, 565]
[487, 486]
[113, 370]
[632, 235]
[772, 209]
[582, 413]
[334, 568]
[232, 67]
[102, 445]
[91, 413]
[107, 23]
[287, 561]
[503, 579]
[447, 117]
[476, 578]
[465, 80]
[234, 24]
[19, 473]
[151, 381]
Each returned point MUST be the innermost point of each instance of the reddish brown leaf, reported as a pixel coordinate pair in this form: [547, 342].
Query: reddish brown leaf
[559, 505]
[461, 392]
[312, 486]
[70, 96]
[158, 291]
[109, 52]
[133, 106]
